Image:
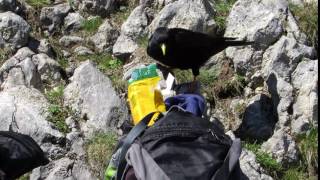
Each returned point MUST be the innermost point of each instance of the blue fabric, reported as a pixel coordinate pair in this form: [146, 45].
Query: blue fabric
[192, 103]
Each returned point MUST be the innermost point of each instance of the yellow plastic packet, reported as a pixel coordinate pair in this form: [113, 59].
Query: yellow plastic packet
[144, 98]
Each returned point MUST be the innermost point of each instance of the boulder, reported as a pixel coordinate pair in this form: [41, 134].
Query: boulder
[96, 7]
[72, 22]
[131, 30]
[24, 110]
[82, 51]
[305, 107]
[49, 69]
[259, 21]
[20, 70]
[196, 15]
[259, 119]
[250, 167]
[91, 94]
[282, 147]
[14, 31]
[52, 17]
[105, 37]
[69, 41]
[46, 48]
[7, 5]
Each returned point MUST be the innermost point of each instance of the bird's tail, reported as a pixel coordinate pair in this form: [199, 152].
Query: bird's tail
[233, 42]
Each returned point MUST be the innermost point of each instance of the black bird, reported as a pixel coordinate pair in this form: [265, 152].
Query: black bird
[185, 49]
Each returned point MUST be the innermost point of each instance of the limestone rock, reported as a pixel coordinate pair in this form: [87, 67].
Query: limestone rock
[194, 15]
[131, 30]
[105, 37]
[91, 94]
[250, 167]
[14, 31]
[81, 50]
[7, 5]
[97, 7]
[24, 110]
[49, 69]
[72, 22]
[52, 17]
[69, 41]
[305, 108]
[282, 147]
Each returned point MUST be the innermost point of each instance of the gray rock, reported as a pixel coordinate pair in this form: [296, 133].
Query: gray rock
[97, 7]
[14, 31]
[250, 167]
[46, 48]
[81, 50]
[259, 119]
[131, 30]
[56, 170]
[24, 110]
[305, 107]
[282, 147]
[7, 5]
[105, 37]
[52, 17]
[282, 98]
[283, 57]
[91, 94]
[72, 22]
[69, 41]
[259, 21]
[20, 70]
[48, 68]
[196, 15]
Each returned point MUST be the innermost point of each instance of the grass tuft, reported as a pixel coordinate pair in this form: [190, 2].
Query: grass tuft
[99, 150]
[307, 17]
[38, 4]
[91, 25]
[222, 8]
[58, 113]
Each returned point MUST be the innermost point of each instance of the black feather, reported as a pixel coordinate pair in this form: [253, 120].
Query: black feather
[186, 49]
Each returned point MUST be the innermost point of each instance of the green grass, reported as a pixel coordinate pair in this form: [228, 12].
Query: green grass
[99, 150]
[57, 112]
[143, 41]
[110, 66]
[91, 25]
[38, 4]
[307, 17]
[264, 159]
[308, 147]
[222, 8]
[26, 176]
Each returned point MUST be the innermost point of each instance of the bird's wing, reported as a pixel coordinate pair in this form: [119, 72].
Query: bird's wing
[186, 38]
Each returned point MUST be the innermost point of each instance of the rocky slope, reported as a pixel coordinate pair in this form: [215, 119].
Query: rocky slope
[60, 85]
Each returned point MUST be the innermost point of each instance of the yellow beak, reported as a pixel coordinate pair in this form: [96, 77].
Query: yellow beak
[163, 48]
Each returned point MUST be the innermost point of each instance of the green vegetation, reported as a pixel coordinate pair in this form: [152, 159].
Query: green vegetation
[25, 176]
[38, 4]
[91, 25]
[58, 113]
[307, 168]
[264, 159]
[307, 17]
[308, 146]
[222, 8]
[99, 150]
[143, 41]
[112, 67]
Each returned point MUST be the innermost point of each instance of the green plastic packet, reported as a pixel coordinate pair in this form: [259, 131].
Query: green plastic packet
[143, 73]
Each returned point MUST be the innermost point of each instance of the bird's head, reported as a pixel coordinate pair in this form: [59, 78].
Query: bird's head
[160, 39]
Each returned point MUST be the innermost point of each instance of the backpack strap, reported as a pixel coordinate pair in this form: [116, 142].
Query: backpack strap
[133, 134]
[230, 161]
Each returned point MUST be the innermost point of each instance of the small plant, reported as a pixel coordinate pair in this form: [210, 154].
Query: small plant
[58, 113]
[294, 174]
[307, 17]
[38, 4]
[91, 25]
[222, 8]
[99, 150]
[143, 41]
[265, 159]
[308, 146]
[26, 176]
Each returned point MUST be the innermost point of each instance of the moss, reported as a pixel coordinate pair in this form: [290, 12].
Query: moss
[99, 150]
